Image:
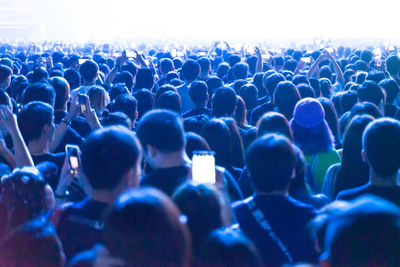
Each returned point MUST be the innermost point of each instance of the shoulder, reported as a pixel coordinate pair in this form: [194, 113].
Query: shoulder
[352, 193]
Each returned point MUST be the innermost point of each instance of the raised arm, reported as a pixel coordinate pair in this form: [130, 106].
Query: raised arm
[259, 66]
[338, 71]
[9, 121]
[315, 66]
[118, 64]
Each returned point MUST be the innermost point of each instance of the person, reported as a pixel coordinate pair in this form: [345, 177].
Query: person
[366, 233]
[162, 137]
[165, 66]
[110, 161]
[381, 150]
[143, 228]
[190, 71]
[99, 99]
[312, 135]
[223, 102]
[352, 171]
[271, 162]
[89, 72]
[199, 96]
[226, 247]
[5, 77]
[285, 98]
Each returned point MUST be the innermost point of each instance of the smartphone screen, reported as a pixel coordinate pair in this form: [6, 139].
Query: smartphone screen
[203, 167]
[82, 103]
[73, 158]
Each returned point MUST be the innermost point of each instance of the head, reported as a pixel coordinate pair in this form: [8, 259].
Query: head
[39, 92]
[195, 142]
[89, 71]
[73, 77]
[5, 76]
[224, 102]
[271, 162]
[381, 146]
[145, 101]
[166, 65]
[62, 90]
[144, 229]
[169, 100]
[99, 98]
[111, 158]
[240, 70]
[126, 104]
[144, 79]
[190, 70]
[286, 96]
[36, 122]
[391, 88]
[249, 93]
[370, 91]
[271, 81]
[393, 65]
[198, 92]
[161, 133]
[273, 122]
[124, 77]
[325, 86]
[348, 99]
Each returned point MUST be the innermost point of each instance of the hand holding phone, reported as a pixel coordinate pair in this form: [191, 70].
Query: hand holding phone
[72, 154]
[82, 103]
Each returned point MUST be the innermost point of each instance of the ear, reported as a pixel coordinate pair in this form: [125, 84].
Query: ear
[45, 129]
[364, 155]
[152, 151]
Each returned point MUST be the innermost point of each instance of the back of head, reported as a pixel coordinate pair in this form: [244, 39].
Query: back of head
[202, 207]
[99, 97]
[249, 93]
[108, 154]
[271, 161]
[364, 234]
[381, 143]
[39, 92]
[89, 70]
[273, 122]
[5, 73]
[73, 77]
[229, 248]
[145, 100]
[124, 77]
[190, 70]
[32, 118]
[195, 142]
[370, 91]
[224, 102]
[271, 81]
[166, 65]
[391, 88]
[144, 79]
[161, 129]
[205, 64]
[61, 88]
[393, 65]
[286, 96]
[368, 108]
[143, 229]
[169, 100]
[198, 92]
[240, 70]
[348, 99]
[127, 104]
[116, 118]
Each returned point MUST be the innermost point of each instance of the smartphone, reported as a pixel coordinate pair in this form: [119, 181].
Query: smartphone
[82, 103]
[73, 158]
[82, 60]
[203, 167]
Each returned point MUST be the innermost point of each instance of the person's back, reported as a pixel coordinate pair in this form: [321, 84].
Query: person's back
[190, 71]
[381, 149]
[271, 162]
[110, 161]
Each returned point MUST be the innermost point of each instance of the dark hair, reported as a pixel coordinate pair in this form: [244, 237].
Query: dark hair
[39, 92]
[348, 99]
[271, 81]
[117, 90]
[108, 154]
[5, 72]
[375, 75]
[144, 229]
[38, 75]
[195, 142]
[169, 100]
[144, 79]
[124, 77]
[366, 108]
[126, 104]
[370, 91]
[273, 122]
[116, 118]
[89, 70]
[61, 88]
[271, 160]
[190, 70]
[381, 142]
[353, 171]
[165, 88]
[195, 123]
[236, 142]
[198, 91]
[166, 65]
[240, 112]
[240, 70]
[325, 86]
[258, 82]
[249, 93]
[331, 118]
[224, 102]
[305, 90]
[200, 203]
[391, 88]
[172, 75]
[205, 64]
[129, 66]
[161, 129]
[145, 101]
[393, 65]
[286, 96]
[32, 118]
[73, 77]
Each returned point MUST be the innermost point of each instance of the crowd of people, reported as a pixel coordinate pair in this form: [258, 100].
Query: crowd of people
[306, 145]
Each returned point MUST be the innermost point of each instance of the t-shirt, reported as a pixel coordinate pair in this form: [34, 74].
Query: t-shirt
[390, 193]
[288, 219]
[81, 226]
[57, 159]
[187, 104]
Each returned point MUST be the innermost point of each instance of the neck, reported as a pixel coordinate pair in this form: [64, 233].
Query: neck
[200, 105]
[378, 180]
[173, 159]
[87, 83]
[279, 192]
[103, 196]
[38, 147]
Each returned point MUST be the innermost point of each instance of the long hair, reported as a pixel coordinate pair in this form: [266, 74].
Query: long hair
[353, 171]
[314, 140]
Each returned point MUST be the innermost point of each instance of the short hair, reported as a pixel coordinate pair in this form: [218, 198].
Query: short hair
[271, 160]
[249, 93]
[32, 118]
[126, 104]
[348, 99]
[393, 65]
[198, 91]
[161, 129]
[391, 88]
[370, 91]
[224, 102]
[73, 77]
[129, 66]
[144, 229]
[325, 86]
[381, 142]
[191, 70]
[117, 90]
[166, 65]
[108, 154]
[204, 64]
[366, 55]
[169, 100]
[39, 92]
[144, 79]
[305, 90]
[116, 118]
[145, 100]
[62, 90]
[213, 82]
[89, 70]
[271, 81]
[124, 77]
[240, 70]
[273, 122]
[5, 72]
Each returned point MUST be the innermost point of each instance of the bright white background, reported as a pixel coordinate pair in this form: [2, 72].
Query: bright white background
[216, 19]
